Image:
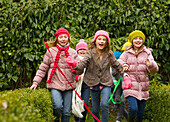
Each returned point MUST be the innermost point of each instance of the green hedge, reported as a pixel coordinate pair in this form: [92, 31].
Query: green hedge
[158, 106]
[25, 25]
[26, 105]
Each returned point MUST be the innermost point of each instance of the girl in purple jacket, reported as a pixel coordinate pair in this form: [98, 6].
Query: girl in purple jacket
[137, 61]
[61, 90]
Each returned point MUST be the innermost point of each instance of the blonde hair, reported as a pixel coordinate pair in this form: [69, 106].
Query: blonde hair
[136, 53]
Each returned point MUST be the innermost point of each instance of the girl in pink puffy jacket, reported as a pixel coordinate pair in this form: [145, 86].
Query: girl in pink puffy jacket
[137, 61]
[61, 90]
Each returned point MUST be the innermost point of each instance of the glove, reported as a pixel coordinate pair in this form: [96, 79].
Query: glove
[76, 77]
[128, 83]
[71, 61]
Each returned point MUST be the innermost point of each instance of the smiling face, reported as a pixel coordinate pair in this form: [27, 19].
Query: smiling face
[82, 52]
[137, 42]
[101, 42]
[63, 40]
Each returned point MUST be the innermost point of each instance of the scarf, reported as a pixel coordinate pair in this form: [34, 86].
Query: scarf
[65, 49]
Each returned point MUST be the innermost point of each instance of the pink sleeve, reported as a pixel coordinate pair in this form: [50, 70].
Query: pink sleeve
[153, 68]
[43, 68]
[123, 58]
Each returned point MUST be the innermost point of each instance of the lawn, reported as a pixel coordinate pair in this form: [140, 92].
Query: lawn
[112, 116]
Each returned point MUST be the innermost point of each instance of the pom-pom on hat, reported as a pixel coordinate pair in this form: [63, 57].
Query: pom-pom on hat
[126, 46]
[102, 33]
[61, 31]
[134, 34]
[117, 54]
[81, 45]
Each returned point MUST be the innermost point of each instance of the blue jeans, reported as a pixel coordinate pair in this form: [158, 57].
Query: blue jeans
[104, 93]
[85, 93]
[136, 108]
[62, 101]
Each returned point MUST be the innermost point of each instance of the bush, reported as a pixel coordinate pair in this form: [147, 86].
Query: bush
[158, 106]
[26, 105]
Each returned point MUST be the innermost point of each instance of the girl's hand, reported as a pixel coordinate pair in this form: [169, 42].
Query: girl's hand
[125, 68]
[147, 62]
[34, 86]
[71, 61]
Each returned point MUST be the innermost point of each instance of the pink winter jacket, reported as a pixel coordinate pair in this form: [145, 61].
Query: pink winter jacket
[58, 81]
[138, 72]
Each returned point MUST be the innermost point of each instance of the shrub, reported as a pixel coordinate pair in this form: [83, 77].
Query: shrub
[26, 105]
[158, 106]
[30, 105]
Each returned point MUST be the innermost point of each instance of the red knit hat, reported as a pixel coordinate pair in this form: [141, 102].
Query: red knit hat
[61, 31]
[81, 45]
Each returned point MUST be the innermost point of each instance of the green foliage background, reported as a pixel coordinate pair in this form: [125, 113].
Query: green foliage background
[25, 25]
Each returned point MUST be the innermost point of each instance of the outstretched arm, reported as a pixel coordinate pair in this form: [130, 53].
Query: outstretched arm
[79, 66]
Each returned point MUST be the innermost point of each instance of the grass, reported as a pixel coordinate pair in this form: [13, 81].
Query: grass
[112, 115]
[89, 118]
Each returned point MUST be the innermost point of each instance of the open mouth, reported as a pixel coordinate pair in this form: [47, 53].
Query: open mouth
[63, 42]
[138, 43]
[82, 52]
[101, 45]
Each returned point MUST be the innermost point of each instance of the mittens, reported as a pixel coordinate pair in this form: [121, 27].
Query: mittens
[128, 83]
[71, 61]
[76, 77]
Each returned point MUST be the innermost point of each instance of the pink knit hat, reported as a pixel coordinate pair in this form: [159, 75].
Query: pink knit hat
[61, 31]
[81, 45]
[101, 33]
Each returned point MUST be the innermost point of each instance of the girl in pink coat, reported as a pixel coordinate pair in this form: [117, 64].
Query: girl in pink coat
[61, 90]
[137, 61]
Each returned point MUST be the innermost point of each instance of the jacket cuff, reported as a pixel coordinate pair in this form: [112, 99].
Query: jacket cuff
[151, 64]
[34, 82]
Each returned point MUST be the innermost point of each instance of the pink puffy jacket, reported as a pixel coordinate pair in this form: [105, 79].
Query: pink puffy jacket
[138, 72]
[58, 81]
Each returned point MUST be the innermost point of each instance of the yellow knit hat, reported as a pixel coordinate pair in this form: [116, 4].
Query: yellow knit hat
[126, 46]
[134, 34]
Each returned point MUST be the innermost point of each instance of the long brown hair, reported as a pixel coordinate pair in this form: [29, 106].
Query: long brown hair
[106, 49]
